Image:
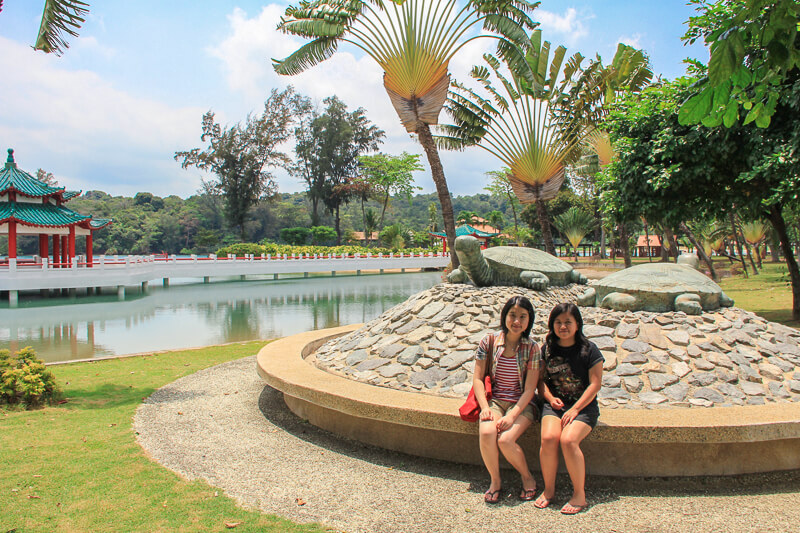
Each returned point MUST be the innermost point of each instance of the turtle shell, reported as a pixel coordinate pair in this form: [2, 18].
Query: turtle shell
[511, 260]
[657, 284]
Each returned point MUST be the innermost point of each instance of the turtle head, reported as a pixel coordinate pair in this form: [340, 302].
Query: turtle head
[468, 245]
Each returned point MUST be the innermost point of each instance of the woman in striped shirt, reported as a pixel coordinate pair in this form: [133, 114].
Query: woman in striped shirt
[514, 361]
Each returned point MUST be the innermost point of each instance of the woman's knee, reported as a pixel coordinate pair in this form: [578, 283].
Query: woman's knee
[570, 441]
[487, 429]
[506, 439]
[550, 439]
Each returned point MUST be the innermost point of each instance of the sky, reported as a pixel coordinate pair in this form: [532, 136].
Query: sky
[131, 90]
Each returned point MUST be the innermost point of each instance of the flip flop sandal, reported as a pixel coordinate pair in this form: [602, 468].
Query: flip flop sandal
[527, 495]
[542, 503]
[570, 509]
[492, 496]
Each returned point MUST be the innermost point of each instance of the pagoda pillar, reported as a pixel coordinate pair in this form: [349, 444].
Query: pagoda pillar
[71, 241]
[89, 255]
[56, 251]
[43, 245]
[12, 239]
[64, 258]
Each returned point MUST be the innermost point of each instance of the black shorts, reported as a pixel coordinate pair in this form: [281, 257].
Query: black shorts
[588, 415]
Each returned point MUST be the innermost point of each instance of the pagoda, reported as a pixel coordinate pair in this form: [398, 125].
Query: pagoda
[29, 206]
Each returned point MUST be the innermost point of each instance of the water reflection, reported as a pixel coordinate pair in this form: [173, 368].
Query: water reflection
[182, 316]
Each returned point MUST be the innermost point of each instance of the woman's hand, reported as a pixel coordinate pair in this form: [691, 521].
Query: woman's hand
[486, 414]
[557, 403]
[568, 417]
[504, 423]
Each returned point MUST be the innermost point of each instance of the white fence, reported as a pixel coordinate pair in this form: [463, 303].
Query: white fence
[115, 271]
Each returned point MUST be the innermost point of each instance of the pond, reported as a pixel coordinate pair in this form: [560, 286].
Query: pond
[186, 315]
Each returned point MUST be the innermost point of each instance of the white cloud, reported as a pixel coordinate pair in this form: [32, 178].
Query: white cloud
[88, 133]
[635, 40]
[350, 74]
[569, 25]
[91, 45]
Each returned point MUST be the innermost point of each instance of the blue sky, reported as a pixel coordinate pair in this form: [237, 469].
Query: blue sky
[131, 90]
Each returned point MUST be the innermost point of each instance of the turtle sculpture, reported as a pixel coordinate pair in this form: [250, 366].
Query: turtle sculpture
[657, 287]
[509, 265]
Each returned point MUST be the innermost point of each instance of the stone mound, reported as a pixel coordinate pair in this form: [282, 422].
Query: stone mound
[427, 344]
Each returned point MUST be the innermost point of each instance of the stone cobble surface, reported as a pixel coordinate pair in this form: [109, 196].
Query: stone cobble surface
[652, 360]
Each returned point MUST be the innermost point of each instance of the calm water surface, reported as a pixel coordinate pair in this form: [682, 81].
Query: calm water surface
[189, 315]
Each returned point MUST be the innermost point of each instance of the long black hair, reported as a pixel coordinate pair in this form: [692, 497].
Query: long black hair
[524, 303]
[580, 338]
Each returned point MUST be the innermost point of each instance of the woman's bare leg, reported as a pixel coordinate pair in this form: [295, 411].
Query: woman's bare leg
[490, 452]
[507, 442]
[571, 437]
[548, 456]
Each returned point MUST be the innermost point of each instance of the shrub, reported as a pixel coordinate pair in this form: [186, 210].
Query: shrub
[24, 380]
[295, 236]
[240, 249]
[323, 235]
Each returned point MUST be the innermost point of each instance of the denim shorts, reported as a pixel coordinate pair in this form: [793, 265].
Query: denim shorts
[588, 415]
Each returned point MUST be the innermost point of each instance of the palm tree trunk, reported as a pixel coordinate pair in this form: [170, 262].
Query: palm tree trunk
[338, 230]
[625, 245]
[544, 221]
[774, 246]
[700, 252]
[647, 239]
[602, 242]
[514, 211]
[738, 242]
[437, 172]
[776, 218]
[673, 245]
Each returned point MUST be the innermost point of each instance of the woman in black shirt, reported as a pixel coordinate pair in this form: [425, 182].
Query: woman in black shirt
[571, 378]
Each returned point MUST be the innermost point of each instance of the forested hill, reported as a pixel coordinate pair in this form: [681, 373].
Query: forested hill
[149, 224]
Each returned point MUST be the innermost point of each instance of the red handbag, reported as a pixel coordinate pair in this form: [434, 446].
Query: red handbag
[471, 410]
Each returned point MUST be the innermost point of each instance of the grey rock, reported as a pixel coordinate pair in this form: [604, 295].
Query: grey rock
[755, 400]
[751, 389]
[628, 331]
[456, 359]
[679, 354]
[356, 357]
[659, 355]
[410, 355]
[608, 321]
[729, 390]
[430, 376]
[605, 343]
[678, 337]
[720, 360]
[597, 331]
[770, 371]
[794, 385]
[392, 370]
[410, 326]
[726, 375]
[610, 380]
[424, 362]
[371, 364]
[703, 364]
[635, 358]
[784, 365]
[659, 381]
[392, 350]
[431, 309]
[614, 394]
[627, 369]
[462, 389]
[701, 379]
[711, 395]
[701, 402]
[748, 373]
[456, 378]
[652, 398]
[778, 390]
[633, 384]
[635, 346]
[680, 368]
[676, 392]
[693, 351]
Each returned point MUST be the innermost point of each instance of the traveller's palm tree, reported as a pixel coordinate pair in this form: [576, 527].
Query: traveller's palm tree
[59, 17]
[574, 224]
[533, 123]
[413, 41]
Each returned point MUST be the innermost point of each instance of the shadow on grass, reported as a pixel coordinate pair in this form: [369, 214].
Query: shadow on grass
[602, 489]
[106, 396]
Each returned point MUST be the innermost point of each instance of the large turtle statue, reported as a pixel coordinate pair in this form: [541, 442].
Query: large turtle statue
[509, 265]
[657, 287]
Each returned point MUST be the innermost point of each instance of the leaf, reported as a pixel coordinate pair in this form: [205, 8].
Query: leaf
[695, 108]
[754, 113]
[231, 525]
[725, 57]
[300, 501]
[731, 114]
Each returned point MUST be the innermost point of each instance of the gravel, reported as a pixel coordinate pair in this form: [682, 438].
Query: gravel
[224, 426]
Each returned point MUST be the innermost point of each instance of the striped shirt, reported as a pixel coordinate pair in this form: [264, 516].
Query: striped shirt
[506, 380]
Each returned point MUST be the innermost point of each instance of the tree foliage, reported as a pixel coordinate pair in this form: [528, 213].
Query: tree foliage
[390, 175]
[240, 155]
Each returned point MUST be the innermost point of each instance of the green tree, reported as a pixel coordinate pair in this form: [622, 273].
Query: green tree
[239, 156]
[343, 136]
[466, 217]
[754, 54]
[389, 174]
[323, 235]
[413, 41]
[574, 224]
[295, 236]
[495, 218]
[500, 187]
[59, 17]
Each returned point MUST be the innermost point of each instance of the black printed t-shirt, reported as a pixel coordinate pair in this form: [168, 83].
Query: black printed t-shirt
[567, 373]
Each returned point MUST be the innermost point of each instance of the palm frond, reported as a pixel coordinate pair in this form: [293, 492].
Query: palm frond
[306, 56]
[59, 17]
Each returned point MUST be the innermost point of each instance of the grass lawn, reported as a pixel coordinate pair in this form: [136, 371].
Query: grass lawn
[77, 466]
[769, 294]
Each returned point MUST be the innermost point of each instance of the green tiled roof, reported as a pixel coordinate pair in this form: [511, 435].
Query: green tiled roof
[97, 223]
[13, 178]
[69, 195]
[40, 214]
[466, 229]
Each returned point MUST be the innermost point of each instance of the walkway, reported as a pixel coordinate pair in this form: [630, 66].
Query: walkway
[224, 426]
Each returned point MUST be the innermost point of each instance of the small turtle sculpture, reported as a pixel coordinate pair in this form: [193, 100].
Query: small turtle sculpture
[657, 287]
[509, 265]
